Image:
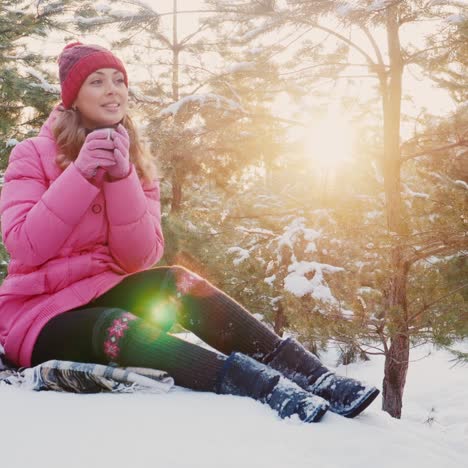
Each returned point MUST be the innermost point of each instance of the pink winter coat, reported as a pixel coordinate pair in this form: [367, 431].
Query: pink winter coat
[69, 240]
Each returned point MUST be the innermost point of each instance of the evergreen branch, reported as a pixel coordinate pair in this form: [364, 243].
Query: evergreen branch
[324, 65]
[343, 39]
[428, 306]
[460, 358]
[461, 142]
[375, 46]
[441, 247]
[192, 35]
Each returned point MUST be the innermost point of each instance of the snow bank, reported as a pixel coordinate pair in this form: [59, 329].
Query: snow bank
[188, 429]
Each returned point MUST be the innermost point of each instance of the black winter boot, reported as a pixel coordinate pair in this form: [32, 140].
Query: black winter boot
[244, 376]
[347, 397]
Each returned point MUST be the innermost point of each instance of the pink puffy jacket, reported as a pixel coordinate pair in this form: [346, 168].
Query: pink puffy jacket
[69, 240]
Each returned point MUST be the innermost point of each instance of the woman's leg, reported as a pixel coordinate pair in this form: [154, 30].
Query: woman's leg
[104, 335]
[225, 325]
[164, 295]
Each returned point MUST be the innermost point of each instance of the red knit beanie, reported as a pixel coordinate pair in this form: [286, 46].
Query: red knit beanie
[77, 61]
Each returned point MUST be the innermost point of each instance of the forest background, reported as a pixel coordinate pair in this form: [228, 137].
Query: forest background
[312, 154]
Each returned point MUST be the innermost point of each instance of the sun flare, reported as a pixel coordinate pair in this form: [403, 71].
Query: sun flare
[328, 142]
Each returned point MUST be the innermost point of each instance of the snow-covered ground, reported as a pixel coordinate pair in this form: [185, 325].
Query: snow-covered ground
[188, 429]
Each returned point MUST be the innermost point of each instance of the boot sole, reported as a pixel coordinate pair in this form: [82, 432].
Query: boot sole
[317, 416]
[361, 405]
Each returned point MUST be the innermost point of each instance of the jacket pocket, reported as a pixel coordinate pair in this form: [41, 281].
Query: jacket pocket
[63, 272]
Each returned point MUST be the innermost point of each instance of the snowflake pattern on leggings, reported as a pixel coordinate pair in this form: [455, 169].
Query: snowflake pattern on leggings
[189, 283]
[115, 333]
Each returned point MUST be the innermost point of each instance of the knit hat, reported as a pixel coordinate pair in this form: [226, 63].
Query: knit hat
[77, 61]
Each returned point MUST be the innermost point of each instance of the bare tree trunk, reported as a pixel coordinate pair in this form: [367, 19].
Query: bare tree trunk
[396, 363]
[280, 320]
[176, 194]
[175, 55]
[397, 356]
[177, 185]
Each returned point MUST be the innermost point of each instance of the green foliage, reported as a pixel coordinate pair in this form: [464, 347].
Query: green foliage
[25, 100]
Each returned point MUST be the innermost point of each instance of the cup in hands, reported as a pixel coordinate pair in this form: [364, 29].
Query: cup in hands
[107, 148]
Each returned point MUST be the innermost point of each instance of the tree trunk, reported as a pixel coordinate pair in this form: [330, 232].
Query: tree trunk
[175, 54]
[397, 356]
[176, 178]
[396, 362]
[280, 320]
[176, 194]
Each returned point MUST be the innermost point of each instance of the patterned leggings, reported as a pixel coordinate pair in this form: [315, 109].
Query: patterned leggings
[128, 325]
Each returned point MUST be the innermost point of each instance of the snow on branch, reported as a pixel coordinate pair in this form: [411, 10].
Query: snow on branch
[209, 99]
[410, 193]
[295, 230]
[89, 21]
[378, 5]
[457, 3]
[253, 33]
[43, 83]
[461, 183]
[11, 142]
[258, 231]
[14, 10]
[243, 254]
[142, 4]
[135, 93]
[240, 67]
[298, 284]
[455, 19]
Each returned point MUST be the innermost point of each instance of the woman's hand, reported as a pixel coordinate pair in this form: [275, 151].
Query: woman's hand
[121, 141]
[97, 151]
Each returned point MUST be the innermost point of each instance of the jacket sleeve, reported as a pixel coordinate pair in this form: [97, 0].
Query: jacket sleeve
[37, 219]
[135, 236]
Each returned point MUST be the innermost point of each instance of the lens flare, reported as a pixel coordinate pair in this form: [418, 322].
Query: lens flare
[160, 309]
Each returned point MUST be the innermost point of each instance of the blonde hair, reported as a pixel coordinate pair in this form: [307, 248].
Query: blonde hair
[70, 136]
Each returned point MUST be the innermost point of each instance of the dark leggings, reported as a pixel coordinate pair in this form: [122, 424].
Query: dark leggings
[161, 297]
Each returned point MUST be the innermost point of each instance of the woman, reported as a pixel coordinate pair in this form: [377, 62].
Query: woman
[80, 218]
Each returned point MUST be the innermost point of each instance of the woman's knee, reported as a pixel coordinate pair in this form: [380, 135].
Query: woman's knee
[190, 283]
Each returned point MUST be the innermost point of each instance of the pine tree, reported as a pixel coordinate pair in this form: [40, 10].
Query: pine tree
[351, 33]
[25, 92]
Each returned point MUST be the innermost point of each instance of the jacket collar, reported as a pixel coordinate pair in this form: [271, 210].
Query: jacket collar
[46, 129]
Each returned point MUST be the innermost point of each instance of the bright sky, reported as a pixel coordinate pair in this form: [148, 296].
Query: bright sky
[423, 92]
[322, 132]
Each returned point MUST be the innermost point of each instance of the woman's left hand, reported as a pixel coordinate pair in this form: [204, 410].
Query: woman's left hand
[121, 168]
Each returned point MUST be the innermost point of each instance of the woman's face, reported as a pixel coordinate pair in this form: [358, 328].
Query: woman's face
[103, 98]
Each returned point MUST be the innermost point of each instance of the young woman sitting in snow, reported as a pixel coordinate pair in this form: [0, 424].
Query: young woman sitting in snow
[80, 217]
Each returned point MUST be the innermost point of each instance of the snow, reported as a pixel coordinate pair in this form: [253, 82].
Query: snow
[296, 282]
[88, 21]
[200, 99]
[11, 142]
[242, 254]
[259, 231]
[44, 84]
[378, 5]
[255, 50]
[102, 8]
[297, 229]
[410, 193]
[461, 183]
[240, 67]
[123, 14]
[455, 19]
[188, 429]
[270, 280]
[344, 9]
